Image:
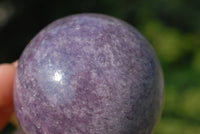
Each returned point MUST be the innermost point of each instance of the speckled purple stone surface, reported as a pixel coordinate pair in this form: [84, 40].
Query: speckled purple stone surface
[88, 74]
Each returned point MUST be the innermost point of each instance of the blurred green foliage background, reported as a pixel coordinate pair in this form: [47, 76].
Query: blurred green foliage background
[172, 26]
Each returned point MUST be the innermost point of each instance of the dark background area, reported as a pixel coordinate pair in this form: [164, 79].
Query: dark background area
[172, 26]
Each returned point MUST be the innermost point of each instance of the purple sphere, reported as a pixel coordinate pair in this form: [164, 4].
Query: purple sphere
[88, 74]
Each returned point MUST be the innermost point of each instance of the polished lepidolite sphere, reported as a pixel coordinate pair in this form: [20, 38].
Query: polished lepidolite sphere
[88, 74]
